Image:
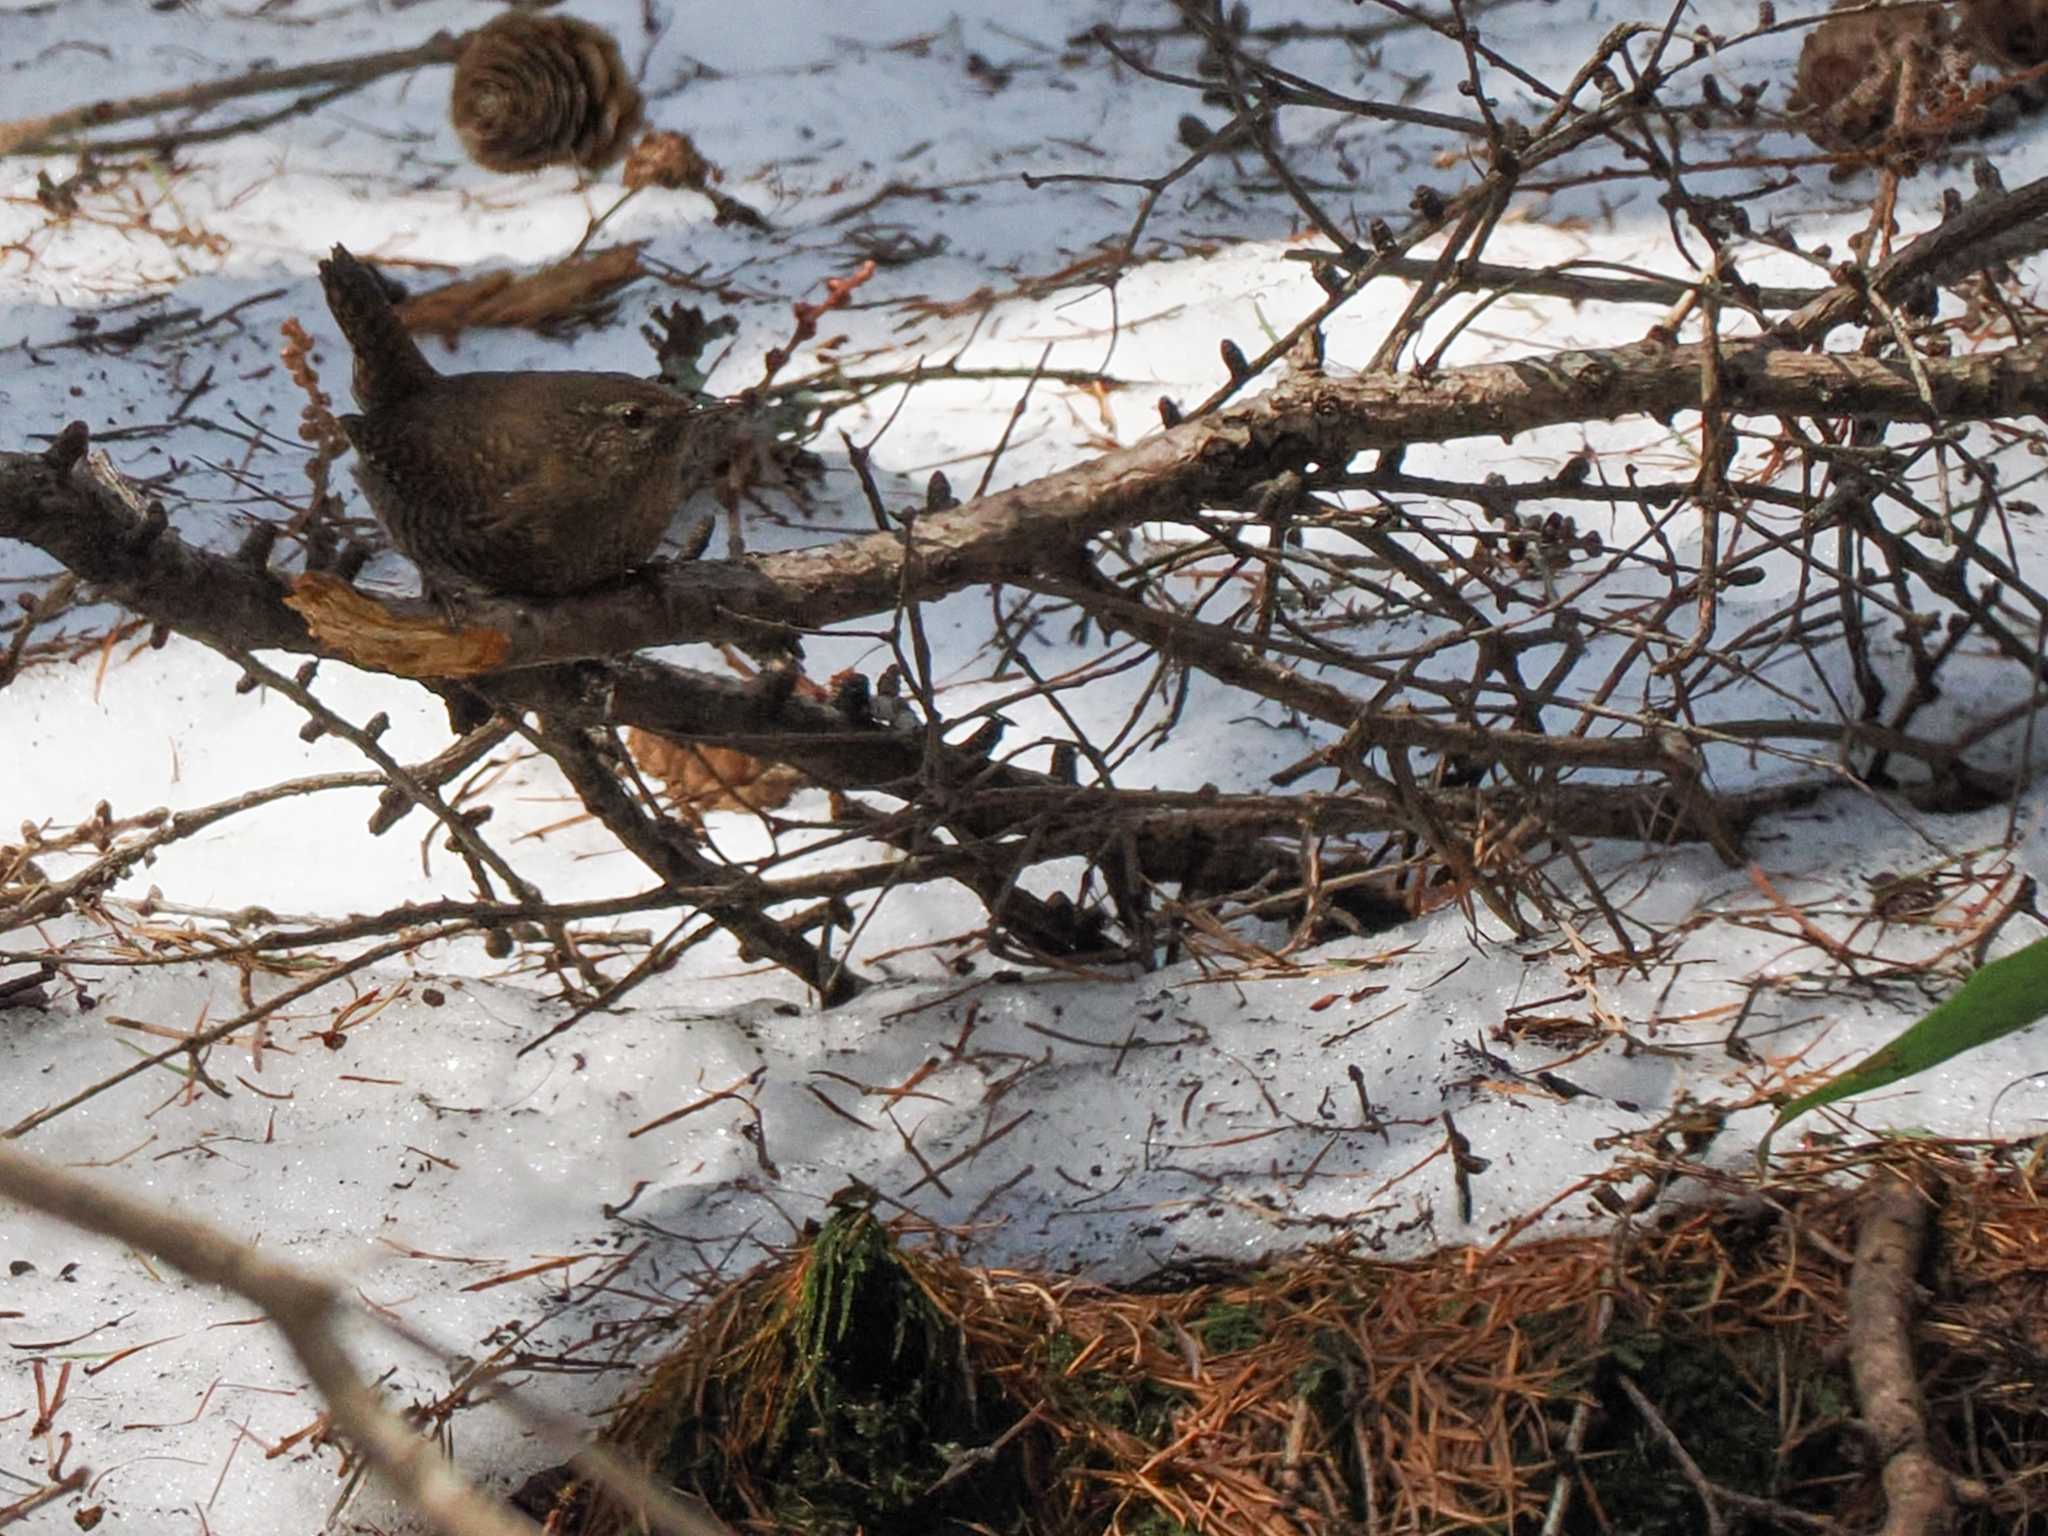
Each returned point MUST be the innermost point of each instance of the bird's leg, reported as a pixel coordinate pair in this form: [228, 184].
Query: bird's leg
[735, 537]
[697, 538]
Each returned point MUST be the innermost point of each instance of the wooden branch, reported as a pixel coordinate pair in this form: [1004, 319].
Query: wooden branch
[234, 605]
[1581, 282]
[664, 848]
[1168, 477]
[52, 133]
[81, 521]
[1222, 656]
[833, 751]
[42, 901]
[190, 1046]
[306, 1311]
[1919, 1498]
[1717, 1522]
[1217, 460]
[1999, 226]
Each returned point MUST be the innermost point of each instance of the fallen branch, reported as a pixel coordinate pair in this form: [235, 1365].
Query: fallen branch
[53, 132]
[664, 847]
[306, 1311]
[1919, 1498]
[992, 539]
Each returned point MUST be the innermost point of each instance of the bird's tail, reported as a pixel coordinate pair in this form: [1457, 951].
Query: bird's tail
[389, 363]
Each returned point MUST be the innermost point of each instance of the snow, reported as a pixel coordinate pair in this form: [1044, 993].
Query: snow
[1111, 1123]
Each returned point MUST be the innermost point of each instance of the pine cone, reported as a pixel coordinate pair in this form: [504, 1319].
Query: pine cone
[1881, 76]
[667, 160]
[542, 90]
[2013, 33]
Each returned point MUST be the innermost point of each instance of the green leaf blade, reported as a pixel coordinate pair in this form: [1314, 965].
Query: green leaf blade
[2006, 995]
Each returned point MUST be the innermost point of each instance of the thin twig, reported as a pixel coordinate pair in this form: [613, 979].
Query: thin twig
[55, 131]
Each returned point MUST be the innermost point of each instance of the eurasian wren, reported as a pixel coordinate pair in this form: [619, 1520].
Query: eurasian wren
[529, 484]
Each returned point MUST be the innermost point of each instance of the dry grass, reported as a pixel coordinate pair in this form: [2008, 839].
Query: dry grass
[1336, 1392]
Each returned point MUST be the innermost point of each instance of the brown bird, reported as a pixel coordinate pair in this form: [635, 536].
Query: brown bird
[535, 484]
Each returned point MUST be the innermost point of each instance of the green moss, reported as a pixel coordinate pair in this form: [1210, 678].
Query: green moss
[872, 1409]
[1136, 1405]
[1156, 1522]
[1228, 1327]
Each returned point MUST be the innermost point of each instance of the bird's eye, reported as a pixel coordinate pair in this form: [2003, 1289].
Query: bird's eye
[632, 416]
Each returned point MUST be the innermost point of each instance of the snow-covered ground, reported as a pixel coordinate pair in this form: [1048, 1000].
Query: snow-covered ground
[1110, 1123]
